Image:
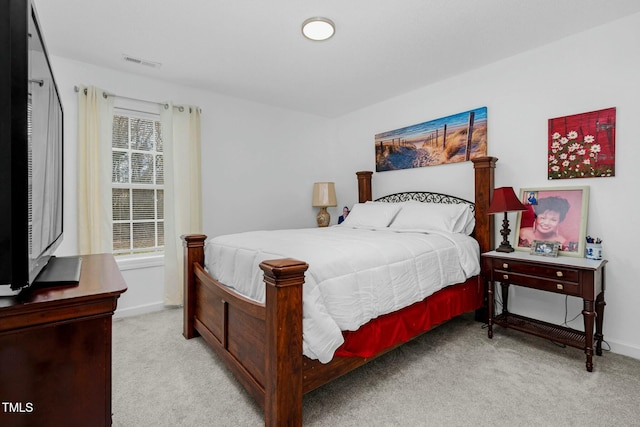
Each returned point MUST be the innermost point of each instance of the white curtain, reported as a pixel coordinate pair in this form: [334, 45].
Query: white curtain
[182, 190]
[95, 121]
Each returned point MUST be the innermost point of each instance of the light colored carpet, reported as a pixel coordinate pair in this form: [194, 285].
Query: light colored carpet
[451, 376]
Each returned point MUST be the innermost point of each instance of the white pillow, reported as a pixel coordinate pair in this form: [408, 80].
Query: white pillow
[371, 215]
[453, 218]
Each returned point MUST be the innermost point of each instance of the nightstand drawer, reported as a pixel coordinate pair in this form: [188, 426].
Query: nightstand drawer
[538, 282]
[541, 270]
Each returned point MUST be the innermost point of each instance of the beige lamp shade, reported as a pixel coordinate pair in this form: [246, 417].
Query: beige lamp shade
[324, 194]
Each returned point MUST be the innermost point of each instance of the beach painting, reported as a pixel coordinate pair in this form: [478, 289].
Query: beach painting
[451, 139]
[582, 145]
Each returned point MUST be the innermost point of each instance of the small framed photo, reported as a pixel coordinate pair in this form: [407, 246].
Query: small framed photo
[554, 214]
[545, 248]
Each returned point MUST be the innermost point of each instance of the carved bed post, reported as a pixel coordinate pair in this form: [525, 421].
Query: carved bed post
[193, 252]
[484, 232]
[283, 341]
[484, 182]
[364, 186]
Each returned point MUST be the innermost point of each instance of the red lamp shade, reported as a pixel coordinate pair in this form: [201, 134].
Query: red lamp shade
[505, 200]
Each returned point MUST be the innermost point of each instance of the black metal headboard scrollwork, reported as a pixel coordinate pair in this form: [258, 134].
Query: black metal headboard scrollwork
[424, 197]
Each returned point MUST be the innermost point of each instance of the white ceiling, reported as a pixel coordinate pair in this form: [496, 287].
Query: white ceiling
[253, 49]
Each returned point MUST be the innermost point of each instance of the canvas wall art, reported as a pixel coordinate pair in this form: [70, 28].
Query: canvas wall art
[451, 139]
[582, 145]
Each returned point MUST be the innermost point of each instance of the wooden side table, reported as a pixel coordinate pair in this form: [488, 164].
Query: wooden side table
[579, 277]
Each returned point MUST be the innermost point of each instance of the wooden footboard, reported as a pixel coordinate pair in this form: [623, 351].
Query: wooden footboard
[262, 343]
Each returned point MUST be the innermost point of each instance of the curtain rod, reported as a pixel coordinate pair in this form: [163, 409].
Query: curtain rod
[162, 104]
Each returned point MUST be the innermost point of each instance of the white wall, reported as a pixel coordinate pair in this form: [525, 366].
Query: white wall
[259, 164]
[593, 70]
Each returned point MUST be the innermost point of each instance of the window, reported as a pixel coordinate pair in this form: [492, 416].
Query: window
[137, 183]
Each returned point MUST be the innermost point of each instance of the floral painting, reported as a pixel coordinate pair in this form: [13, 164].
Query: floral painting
[450, 139]
[582, 145]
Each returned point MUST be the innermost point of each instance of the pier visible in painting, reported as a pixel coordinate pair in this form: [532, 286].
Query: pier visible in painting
[450, 139]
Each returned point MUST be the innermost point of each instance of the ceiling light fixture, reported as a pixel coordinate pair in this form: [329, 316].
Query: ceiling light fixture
[318, 28]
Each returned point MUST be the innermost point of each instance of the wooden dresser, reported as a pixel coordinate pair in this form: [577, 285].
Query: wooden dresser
[55, 350]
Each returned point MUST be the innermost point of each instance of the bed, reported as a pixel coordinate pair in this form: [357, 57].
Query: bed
[262, 342]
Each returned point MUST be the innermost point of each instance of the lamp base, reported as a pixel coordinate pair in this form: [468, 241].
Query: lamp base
[505, 248]
[323, 217]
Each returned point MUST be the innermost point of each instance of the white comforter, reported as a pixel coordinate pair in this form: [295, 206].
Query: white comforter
[354, 275]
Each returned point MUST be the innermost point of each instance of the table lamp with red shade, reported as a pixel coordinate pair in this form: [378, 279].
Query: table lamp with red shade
[505, 200]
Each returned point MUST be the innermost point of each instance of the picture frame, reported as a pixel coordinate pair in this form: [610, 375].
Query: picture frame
[554, 214]
[545, 248]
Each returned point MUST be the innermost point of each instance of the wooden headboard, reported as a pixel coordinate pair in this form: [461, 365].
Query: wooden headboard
[484, 182]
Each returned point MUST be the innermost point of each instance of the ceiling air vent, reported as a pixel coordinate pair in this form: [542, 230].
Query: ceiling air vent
[134, 60]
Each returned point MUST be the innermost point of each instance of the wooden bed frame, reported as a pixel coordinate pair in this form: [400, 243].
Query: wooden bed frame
[262, 343]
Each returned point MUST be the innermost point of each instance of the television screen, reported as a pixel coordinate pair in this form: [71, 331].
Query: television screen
[44, 133]
[31, 140]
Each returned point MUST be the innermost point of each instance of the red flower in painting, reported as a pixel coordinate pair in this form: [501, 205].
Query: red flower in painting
[571, 158]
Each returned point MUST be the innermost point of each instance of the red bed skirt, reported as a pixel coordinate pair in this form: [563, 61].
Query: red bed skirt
[401, 326]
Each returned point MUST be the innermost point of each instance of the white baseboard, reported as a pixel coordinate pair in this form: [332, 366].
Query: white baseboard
[140, 309]
[624, 349]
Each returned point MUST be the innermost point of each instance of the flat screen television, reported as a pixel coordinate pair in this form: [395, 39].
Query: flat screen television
[31, 149]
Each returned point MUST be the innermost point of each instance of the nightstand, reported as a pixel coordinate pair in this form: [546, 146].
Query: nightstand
[578, 277]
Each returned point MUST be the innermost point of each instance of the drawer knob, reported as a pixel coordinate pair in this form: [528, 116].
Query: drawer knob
[505, 276]
[559, 286]
[559, 273]
[505, 265]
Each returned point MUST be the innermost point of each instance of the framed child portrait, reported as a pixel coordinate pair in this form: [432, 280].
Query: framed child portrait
[556, 214]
